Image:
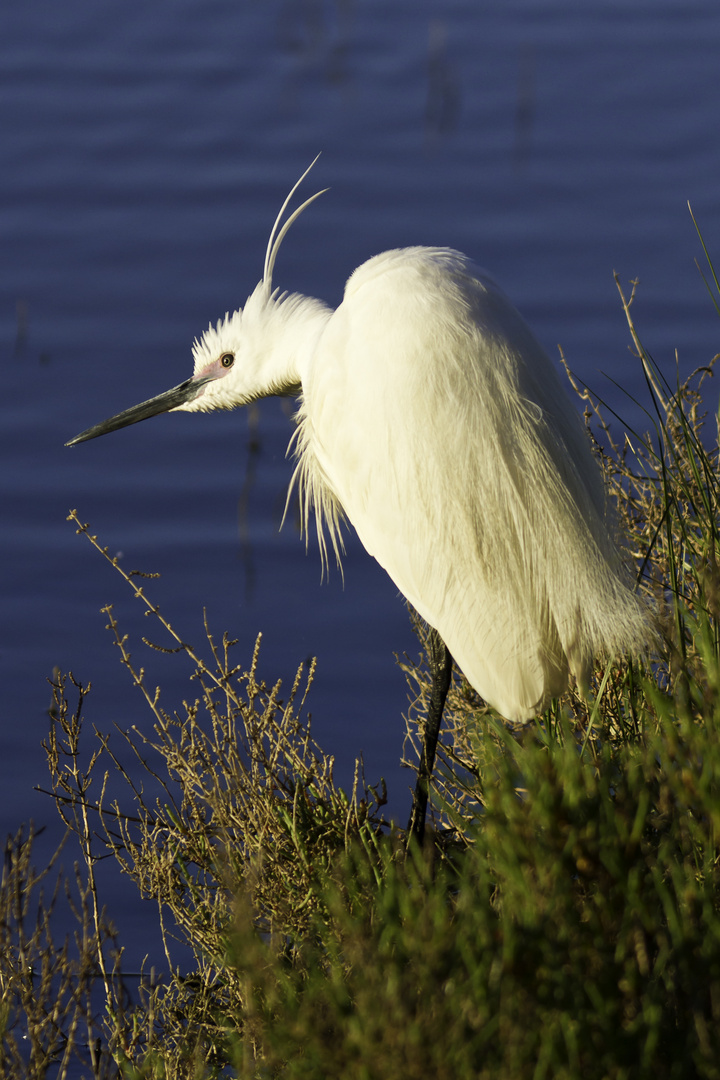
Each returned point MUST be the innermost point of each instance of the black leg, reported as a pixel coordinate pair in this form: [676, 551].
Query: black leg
[441, 667]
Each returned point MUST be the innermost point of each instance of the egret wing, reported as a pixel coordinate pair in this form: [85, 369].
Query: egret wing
[442, 429]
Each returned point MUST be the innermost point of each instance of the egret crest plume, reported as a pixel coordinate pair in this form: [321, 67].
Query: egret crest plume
[275, 241]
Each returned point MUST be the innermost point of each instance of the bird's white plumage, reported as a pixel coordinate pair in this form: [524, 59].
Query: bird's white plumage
[442, 430]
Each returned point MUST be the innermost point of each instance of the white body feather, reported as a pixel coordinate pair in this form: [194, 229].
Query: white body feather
[434, 419]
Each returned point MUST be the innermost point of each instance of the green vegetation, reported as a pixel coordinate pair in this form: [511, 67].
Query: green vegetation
[562, 921]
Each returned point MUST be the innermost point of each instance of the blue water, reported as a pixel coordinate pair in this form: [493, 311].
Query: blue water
[144, 152]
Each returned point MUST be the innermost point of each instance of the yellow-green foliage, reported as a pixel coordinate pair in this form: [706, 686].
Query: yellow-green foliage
[577, 936]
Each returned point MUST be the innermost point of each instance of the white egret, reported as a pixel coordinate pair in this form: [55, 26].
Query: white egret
[432, 420]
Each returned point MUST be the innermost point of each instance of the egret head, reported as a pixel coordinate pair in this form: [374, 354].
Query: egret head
[241, 359]
[231, 358]
[234, 360]
[228, 357]
[187, 395]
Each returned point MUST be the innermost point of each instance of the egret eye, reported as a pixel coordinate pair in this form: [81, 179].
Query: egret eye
[227, 359]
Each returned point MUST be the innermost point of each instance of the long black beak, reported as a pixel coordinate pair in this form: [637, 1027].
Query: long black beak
[179, 395]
